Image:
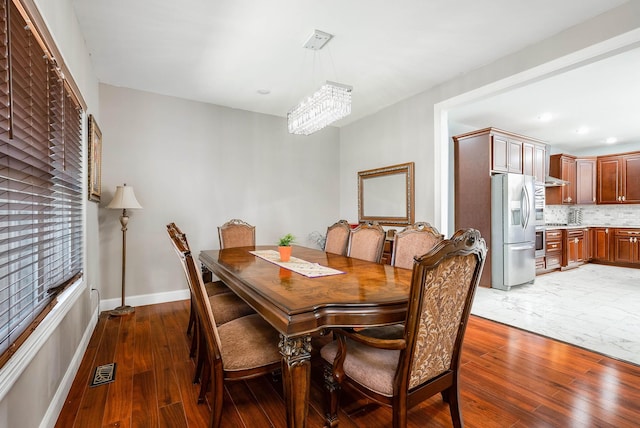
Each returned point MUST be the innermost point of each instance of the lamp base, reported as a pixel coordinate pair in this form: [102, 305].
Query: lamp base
[122, 310]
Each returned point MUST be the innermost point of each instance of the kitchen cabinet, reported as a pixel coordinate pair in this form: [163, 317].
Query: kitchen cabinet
[553, 250]
[586, 180]
[626, 246]
[506, 154]
[599, 244]
[618, 179]
[562, 166]
[534, 160]
[575, 247]
[477, 155]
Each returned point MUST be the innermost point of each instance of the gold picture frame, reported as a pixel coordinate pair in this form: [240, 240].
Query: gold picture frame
[95, 160]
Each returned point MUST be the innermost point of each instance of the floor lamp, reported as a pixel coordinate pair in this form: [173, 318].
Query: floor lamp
[124, 199]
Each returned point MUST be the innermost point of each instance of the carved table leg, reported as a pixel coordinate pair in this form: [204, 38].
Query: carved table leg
[296, 377]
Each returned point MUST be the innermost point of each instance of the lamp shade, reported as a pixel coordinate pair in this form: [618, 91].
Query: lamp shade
[124, 198]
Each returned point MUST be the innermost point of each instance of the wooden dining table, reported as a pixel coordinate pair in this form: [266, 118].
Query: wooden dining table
[364, 294]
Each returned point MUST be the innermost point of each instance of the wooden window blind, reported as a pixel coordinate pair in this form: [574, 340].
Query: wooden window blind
[40, 181]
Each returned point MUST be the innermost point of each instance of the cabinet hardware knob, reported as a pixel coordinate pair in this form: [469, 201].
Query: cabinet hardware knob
[623, 199]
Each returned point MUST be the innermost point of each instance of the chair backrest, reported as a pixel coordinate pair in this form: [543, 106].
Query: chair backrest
[337, 238]
[236, 233]
[366, 242]
[442, 289]
[202, 303]
[412, 241]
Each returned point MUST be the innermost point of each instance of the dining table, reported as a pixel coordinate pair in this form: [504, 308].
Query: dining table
[308, 295]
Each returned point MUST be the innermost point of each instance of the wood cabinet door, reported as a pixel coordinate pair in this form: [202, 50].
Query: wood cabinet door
[623, 249]
[631, 179]
[515, 156]
[500, 155]
[539, 163]
[608, 183]
[568, 170]
[528, 160]
[600, 243]
[534, 161]
[586, 181]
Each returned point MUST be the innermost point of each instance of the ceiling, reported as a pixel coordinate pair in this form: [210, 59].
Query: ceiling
[226, 52]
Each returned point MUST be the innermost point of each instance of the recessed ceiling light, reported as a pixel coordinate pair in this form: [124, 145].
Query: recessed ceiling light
[611, 140]
[264, 91]
[582, 130]
[545, 117]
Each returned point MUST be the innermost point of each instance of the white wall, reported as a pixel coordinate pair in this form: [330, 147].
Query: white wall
[34, 389]
[201, 165]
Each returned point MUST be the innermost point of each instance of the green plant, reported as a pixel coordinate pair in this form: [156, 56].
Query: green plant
[286, 240]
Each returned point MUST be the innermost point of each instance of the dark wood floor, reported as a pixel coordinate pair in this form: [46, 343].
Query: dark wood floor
[509, 378]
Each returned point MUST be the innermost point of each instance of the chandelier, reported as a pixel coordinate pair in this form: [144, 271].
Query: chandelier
[329, 103]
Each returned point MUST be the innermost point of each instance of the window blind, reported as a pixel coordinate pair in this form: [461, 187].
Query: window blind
[40, 180]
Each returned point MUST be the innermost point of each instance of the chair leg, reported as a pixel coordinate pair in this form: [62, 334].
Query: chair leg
[192, 317]
[454, 405]
[194, 343]
[200, 358]
[332, 397]
[204, 382]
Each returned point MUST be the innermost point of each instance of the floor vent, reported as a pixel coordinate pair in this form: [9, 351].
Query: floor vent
[104, 374]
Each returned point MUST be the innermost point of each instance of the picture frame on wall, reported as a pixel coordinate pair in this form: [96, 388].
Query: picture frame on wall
[95, 160]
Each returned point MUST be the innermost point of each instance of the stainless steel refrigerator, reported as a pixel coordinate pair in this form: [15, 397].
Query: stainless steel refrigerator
[513, 231]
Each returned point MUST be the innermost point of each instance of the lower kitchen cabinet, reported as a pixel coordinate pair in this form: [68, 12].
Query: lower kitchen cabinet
[553, 250]
[626, 243]
[600, 243]
[575, 247]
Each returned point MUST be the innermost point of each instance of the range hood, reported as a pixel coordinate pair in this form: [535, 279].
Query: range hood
[550, 181]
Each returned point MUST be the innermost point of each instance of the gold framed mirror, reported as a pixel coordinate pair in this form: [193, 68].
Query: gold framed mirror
[386, 195]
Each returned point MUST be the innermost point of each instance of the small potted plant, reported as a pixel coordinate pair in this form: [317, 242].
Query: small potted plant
[284, 247]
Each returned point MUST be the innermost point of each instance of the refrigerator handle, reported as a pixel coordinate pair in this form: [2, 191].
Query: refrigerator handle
[525, 204]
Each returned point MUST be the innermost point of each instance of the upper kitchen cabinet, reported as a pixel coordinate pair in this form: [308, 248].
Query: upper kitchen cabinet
[562, 166]
[506, 153]
[533, 160]
[586, 181]
[619, 179]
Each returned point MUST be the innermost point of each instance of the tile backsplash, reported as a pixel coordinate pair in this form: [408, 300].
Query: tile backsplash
[596, 215]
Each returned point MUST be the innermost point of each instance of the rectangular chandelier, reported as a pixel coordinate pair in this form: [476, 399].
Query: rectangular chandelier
[329, 103]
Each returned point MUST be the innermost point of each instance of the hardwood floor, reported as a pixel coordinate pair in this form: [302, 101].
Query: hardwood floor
[510, 378]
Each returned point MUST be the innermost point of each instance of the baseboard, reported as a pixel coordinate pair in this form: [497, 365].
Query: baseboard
[58, 399]
[145, 299]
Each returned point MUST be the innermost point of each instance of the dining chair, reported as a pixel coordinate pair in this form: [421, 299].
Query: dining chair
[241, 349]
[213, 287]
[425, 360]
[366, 242]
[412, 241]
[337, 238]
[236, 233]
[226, 305]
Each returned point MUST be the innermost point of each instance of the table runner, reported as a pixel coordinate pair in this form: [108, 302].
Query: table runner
[308, 269]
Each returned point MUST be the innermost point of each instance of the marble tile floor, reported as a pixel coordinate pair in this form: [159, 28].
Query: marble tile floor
[596, 307]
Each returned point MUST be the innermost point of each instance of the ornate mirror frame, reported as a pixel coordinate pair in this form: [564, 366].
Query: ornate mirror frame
[386, 195]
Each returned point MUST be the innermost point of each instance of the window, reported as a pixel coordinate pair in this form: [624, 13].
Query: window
[40, 180]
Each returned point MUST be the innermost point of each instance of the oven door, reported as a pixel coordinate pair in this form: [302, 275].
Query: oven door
[540, 244]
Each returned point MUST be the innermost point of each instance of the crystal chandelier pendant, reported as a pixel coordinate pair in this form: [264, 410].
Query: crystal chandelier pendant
[328, 104]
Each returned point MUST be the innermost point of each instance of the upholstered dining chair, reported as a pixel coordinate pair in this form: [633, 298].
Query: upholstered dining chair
[237, 350]
[337, 238]
[226, 305]
[236, 233]
[426, 359]
[366, 242]
[412, 241]
[213, 287]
